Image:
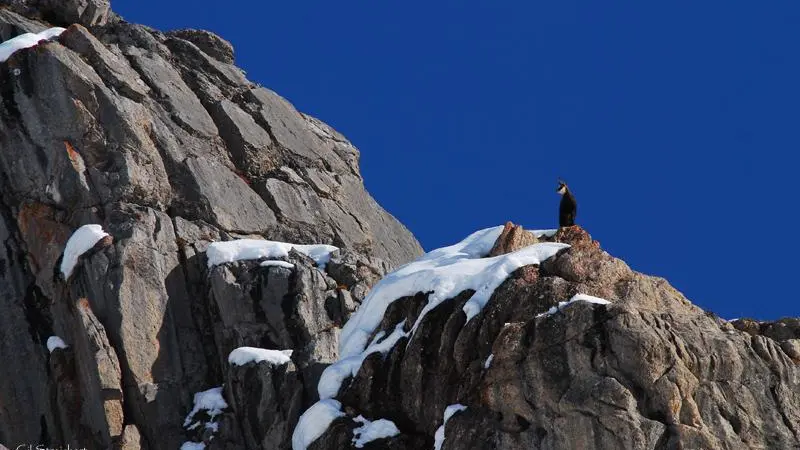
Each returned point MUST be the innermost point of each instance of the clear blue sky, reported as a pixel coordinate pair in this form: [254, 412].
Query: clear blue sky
[676, 124]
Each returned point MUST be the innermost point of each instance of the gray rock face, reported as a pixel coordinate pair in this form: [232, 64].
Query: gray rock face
[267, 400]
[648, 371]
[168, 146]
[162, 141]
[63, 12]
[13, 24]
[208, 42]
[85, 12]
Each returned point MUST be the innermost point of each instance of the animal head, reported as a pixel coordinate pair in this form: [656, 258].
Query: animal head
[562, 187]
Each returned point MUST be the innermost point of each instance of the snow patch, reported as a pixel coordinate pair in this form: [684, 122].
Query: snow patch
[27, 40]
[245, 249]
[314, 422]
[277, 263]
[373, 430]
[210, 401]
[438, 438]
[244, 355]
[576, 298]
[54, 342]
[334, 375]
[193, 446]
[443, 273]
[488, 362]
[81, 241]
[544, 233]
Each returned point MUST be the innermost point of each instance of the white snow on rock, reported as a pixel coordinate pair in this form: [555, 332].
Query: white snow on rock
[373, 430]
[27, 40]
[244, 355]
[246, 249]
[210, 401]
[438, 438]
[277, 263]
[193, 446]
[54, 342]
[488, 362]
[333, 375]
[443, 273]
[81, 241]
[576, 298]
[314, 422]
[544, 233]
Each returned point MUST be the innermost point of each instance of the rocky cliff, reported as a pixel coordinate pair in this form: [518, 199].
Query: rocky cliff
[637, 366]
[152, 343]
[160, 139]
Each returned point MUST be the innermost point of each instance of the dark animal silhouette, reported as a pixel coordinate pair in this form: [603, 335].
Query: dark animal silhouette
[568, 208]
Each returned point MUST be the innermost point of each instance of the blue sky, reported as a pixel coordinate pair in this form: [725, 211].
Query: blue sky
[675, 124]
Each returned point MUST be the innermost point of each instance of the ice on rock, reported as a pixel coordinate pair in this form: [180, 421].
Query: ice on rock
[373, 430]
[210, 401]
[81, 241]
[244, 355]
[314, 422]
[54, 342]
[248, 249]
[444, 273]
[27, 40]
[277, 263]
[438, 438]
[575, 298]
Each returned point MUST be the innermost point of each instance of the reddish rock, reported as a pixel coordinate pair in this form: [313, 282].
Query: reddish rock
[44, 238]
[575, 236]
[749, 326]
[513, 238]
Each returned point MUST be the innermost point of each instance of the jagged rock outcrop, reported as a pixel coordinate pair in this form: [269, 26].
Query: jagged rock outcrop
[167, 145]
[266, 399]
[647, 371]
[513, 238]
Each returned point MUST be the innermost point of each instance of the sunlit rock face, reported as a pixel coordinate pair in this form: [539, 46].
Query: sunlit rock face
[118, 336]
[165, 146]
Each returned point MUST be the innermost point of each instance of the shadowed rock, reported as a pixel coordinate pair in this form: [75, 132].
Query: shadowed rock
[267, 400]
[86, 12]
[208, 42]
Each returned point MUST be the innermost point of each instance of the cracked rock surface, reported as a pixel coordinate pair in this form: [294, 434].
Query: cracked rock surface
[648, 371]
[162, 141]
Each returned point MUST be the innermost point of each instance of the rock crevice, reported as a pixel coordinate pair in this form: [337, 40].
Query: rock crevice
[117, 124]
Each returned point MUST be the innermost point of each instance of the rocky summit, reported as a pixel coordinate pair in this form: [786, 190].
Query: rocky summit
[189, 262]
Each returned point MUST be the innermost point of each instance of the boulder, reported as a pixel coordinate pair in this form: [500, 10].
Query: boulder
[513, 238]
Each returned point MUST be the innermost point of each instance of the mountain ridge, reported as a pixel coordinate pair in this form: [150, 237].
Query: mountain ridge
[148, 343]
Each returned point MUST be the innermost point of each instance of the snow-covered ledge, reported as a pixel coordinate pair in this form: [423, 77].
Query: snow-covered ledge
[27, 40]
[81, 241]
[254, 249]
